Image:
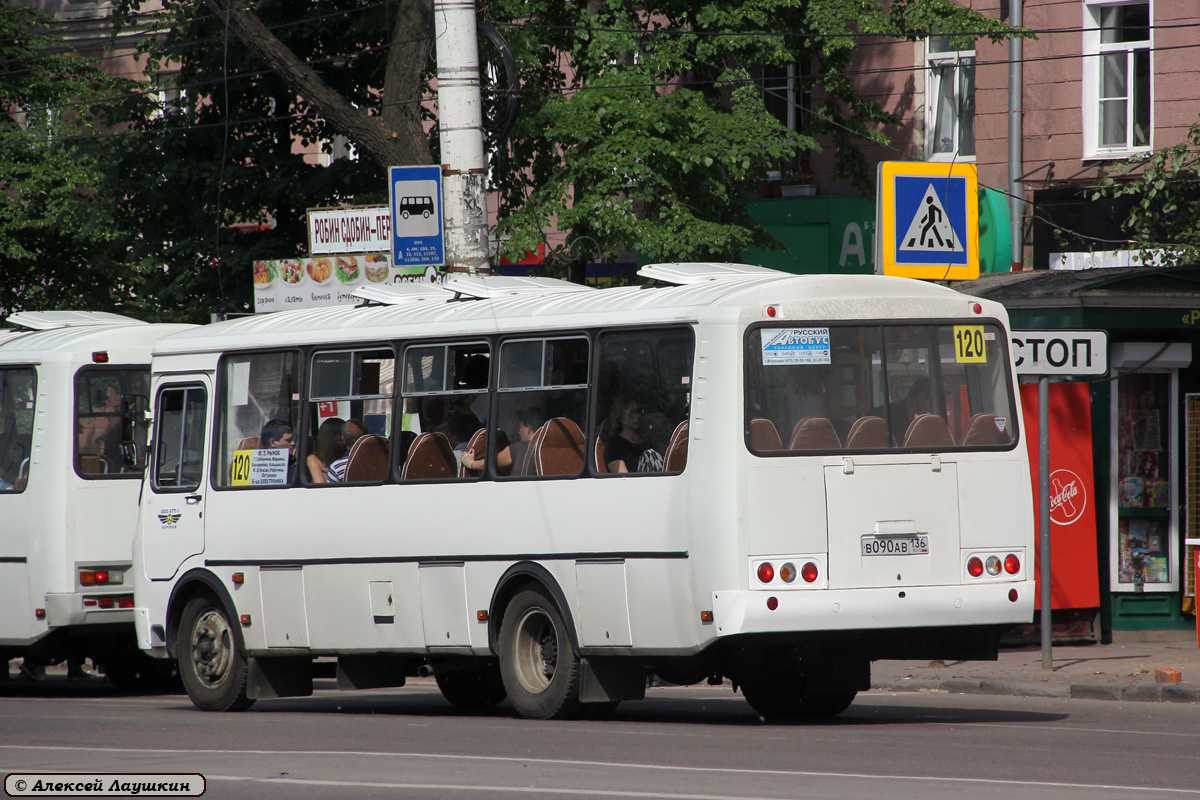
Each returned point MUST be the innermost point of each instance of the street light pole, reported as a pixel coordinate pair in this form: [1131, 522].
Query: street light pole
[460, 132]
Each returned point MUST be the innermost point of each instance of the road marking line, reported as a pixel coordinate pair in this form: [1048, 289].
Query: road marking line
[606, 765]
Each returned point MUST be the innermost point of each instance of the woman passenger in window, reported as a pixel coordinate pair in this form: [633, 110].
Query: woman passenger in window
[329, 448]
[626, 445]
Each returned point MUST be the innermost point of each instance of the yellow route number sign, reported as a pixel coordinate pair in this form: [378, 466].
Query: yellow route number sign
[239, 475]
[969, 345]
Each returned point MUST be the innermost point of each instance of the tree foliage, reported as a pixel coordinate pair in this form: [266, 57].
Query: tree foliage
[57, 223]
[643, 125]
[1164, 187]
[642, 128]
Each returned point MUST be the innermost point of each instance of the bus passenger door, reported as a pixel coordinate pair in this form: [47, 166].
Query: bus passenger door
[173, 516]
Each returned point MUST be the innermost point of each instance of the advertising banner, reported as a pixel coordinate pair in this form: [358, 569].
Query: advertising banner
[1074, 574]
[290, 283]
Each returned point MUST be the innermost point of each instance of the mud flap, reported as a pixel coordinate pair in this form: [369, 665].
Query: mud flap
[280, 677]
[607, 680]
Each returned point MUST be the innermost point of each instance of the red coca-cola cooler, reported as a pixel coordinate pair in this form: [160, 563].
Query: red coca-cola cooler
[1074, 562]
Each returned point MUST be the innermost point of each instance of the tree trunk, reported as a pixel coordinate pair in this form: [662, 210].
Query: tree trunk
[396, 137]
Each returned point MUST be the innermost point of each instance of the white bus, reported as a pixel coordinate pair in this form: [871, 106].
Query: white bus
[728, 474]
[73, 388]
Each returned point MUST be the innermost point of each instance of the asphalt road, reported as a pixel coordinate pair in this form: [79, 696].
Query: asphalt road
[698, 742]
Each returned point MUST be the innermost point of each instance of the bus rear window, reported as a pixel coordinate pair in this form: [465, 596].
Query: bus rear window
[110, 406]
[821, 387]
[16, 427]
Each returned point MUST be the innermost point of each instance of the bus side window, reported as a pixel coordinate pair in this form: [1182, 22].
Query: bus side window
[258, 397]
[644, 396]
[445, 393]
[351, 400]
[543, 394]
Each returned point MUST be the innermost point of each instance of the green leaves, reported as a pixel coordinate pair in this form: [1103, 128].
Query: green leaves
[1163, 188]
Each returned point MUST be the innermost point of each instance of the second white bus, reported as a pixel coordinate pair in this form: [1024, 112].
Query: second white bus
[730, 474]
[74, 387]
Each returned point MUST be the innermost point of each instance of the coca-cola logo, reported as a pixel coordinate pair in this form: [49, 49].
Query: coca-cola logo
[1068, 497]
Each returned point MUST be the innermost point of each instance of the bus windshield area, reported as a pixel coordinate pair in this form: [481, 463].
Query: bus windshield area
[110, 406]
[16, 427]
[924, 387]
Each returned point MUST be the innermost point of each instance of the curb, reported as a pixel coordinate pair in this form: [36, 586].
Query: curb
[1129, 692]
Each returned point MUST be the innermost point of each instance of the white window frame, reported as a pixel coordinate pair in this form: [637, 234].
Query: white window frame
[941, 65]
[1093, 52]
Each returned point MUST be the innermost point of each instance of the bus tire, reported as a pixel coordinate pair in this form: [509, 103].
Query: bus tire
[824, 705]
[211, 664]
[472, 687]
[538, 663]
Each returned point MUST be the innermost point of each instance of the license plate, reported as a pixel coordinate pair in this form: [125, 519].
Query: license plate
[895, 545]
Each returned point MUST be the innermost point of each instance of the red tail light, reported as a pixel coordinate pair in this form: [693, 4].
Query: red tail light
[809, 572]
[1012, 564]
[975, 567]
[766, 572]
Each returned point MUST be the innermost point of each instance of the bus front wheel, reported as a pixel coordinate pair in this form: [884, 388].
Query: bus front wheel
[538, 663]
[212, 666]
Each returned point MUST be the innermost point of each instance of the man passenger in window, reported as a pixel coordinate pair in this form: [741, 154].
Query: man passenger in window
[352, 431]
[626, 444]
[101, 435]
[277, 434]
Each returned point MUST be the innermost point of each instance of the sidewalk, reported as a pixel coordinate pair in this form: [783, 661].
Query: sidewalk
[1124, 670]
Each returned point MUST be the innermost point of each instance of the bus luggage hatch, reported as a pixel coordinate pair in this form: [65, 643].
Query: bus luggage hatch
[893, 525]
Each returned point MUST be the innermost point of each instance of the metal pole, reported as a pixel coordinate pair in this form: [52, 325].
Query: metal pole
[460, 132]
[1016, 164]
[1044, 516]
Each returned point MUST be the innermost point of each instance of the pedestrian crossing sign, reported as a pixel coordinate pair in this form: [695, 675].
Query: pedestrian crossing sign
[928, 220]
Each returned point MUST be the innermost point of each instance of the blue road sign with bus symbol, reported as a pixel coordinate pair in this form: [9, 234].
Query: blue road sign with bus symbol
[416, 195]
[929, 220]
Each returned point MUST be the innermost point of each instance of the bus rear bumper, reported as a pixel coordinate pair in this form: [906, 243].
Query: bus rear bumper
[745, 612]
[69, 609]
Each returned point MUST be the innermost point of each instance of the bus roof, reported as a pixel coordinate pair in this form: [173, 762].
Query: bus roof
[724, 294]
[125, 342]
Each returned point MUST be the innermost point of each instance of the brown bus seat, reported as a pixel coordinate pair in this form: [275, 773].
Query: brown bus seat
[763, 435]
[928, 430]
[430, 458]
[558, 448]
[814, 433]
[368, 460]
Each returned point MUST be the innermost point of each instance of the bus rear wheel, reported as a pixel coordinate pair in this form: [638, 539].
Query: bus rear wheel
[472, 687]
[212, 666]
[538, 663]
[783, 698]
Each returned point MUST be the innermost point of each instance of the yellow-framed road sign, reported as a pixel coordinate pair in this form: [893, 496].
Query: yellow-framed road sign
[928, 220]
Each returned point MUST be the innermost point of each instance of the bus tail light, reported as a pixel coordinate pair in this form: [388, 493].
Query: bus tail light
[109, 601]
[787, 573]
[1012, 564]
[766, 572]
[975, 566]
[992, 565]
[101, 577]
[809, 572]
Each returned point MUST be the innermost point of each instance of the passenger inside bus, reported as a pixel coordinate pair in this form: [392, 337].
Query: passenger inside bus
[625, 446]
[329, 448]
[100, 435]
[277, 434]
[521, 429]
[352, 430]
[12, 465]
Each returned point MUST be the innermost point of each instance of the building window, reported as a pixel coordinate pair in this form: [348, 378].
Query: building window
[950, 128]
[1117, 78]
[784, 96]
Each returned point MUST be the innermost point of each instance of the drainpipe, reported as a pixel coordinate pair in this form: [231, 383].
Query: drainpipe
[1016, 194]
[460, 132]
